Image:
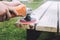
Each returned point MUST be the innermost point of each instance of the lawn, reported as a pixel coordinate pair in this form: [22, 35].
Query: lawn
[8, 31]
[35, 4]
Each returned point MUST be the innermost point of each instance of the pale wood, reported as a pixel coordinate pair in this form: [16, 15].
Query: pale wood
[49, 20]
[40, 10]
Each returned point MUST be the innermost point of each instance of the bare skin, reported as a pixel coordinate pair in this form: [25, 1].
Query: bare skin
[5, 7]
[11, 5]
[4, 12]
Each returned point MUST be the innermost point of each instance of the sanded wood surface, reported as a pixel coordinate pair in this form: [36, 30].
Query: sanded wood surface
[49, 20]
[40, 10]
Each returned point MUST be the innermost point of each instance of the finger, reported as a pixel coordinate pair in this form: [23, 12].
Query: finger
[13, 13]
[8, 15]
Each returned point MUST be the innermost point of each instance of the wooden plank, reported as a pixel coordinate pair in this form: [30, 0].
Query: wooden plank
[49, 20]
[40, 10]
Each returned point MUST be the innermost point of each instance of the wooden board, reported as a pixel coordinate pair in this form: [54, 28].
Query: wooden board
[40, 10]
[49, 20]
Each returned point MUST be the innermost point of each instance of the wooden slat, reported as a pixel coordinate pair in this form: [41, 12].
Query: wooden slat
[49, 20]
[40, 10]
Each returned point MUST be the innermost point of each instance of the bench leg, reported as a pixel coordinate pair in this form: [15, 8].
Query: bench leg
[32, 34]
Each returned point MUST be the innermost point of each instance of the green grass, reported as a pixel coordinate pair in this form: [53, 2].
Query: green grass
[34, 4]
[38, 0]
[8, 31]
